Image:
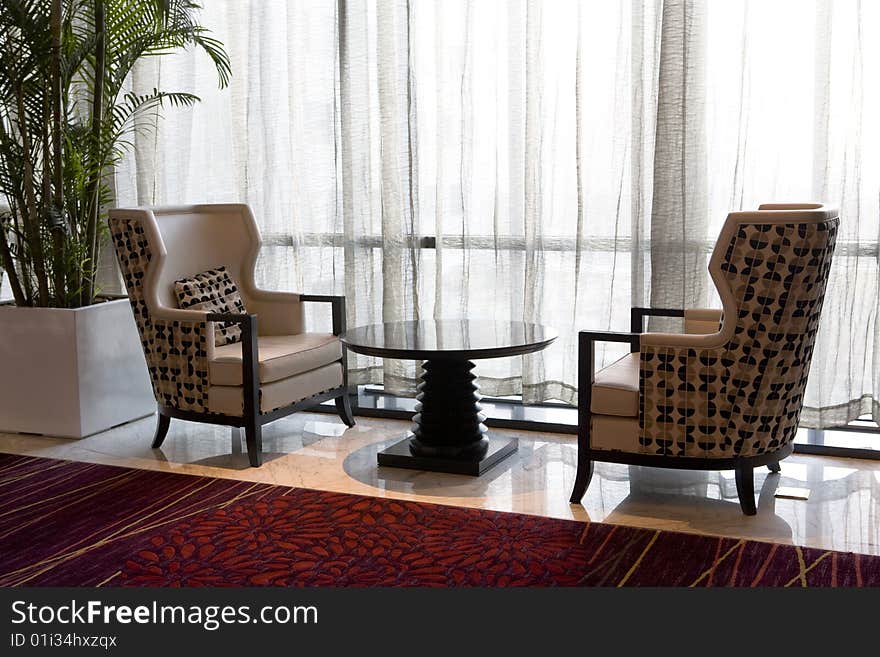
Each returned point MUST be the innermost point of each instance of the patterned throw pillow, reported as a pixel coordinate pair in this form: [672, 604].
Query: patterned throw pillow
[216, 292]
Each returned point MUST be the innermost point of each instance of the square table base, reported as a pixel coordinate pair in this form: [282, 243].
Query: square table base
[399, 456]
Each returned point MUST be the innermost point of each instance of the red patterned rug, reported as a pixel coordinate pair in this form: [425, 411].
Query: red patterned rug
[76, 524]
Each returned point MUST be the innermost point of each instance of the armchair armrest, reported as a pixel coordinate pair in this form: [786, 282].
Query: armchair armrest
[250, 357]
[696, 320]
[587, 364]
[701, 321]
[637, 316]
[337, 308]
[610, 336]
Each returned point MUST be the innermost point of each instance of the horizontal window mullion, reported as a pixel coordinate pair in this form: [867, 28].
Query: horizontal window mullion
[519, 243]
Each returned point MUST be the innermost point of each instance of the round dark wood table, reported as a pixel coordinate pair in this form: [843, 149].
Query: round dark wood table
[448, 431]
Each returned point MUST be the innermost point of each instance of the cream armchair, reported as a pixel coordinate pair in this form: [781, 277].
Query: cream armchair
[727, 394]
[276, 369]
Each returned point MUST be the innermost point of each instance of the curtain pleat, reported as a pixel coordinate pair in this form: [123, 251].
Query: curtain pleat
[679, 212]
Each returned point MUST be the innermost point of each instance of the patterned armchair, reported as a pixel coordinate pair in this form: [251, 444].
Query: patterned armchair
[728, 393]
[277, 367]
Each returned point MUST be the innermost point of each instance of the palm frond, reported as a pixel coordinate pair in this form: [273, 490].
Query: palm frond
[54, 249]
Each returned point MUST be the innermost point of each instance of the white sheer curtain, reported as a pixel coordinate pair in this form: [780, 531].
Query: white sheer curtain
[554, 161]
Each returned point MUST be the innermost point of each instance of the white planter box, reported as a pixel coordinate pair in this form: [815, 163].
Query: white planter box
[71, 372]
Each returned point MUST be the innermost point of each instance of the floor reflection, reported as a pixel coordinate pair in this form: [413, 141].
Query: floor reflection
[318, 451]
[706, 501]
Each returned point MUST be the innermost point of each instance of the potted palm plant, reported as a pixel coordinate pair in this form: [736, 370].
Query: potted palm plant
[70, 360]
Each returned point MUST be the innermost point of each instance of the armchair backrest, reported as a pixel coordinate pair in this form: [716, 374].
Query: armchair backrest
[188, 240]
[740, 391]
[771, 268]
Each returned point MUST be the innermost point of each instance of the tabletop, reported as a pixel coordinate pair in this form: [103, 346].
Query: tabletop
[448, 339]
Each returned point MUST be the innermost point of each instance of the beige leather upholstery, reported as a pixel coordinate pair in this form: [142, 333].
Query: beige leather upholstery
[280, 356]
[701, 321]
[228, 400]
[616, 388]
[615, 433]
[279, 314]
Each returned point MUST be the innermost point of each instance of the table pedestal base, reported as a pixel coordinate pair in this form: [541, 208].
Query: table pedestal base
[448, 434]
[399, 455]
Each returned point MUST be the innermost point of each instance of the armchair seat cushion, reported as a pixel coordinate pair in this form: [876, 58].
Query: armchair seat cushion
[616, 388]
[281, 356]
[229, 400]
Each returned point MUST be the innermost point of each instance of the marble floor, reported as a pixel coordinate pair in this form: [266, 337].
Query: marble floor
[318, 451]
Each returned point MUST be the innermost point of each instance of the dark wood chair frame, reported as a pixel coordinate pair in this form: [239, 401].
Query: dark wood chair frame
[253, 418]
[743, 466]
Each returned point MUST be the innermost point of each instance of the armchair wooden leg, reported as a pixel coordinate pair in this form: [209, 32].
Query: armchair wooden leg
[586, 363]
[582, 480]
[253, 434]
[343, 408]
[250, 374]
[585, 464]
[745, 489]
[774, 467]
[161, 430]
